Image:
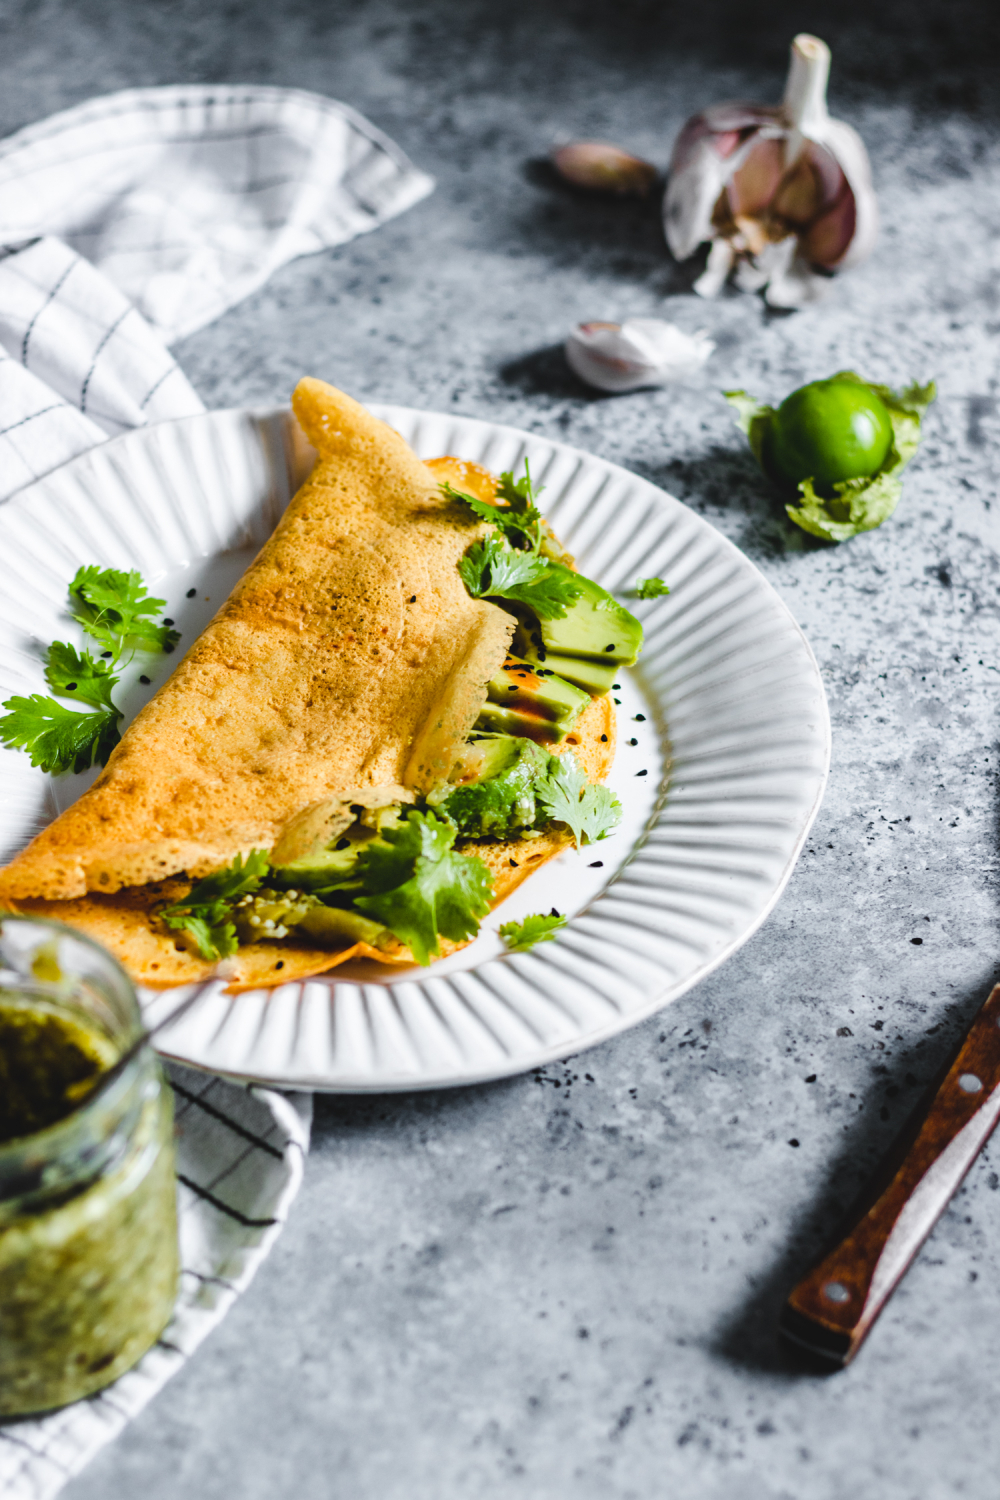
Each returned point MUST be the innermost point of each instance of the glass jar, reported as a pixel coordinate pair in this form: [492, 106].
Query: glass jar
[88, 1216]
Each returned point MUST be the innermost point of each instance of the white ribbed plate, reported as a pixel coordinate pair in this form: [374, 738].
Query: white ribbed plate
[727, 696]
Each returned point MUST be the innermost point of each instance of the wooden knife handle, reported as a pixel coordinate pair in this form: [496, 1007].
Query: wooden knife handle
[832, 1309]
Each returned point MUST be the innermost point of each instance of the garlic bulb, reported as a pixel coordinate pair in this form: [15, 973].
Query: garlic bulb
[604, 168]
[641, 352]
[783, 193]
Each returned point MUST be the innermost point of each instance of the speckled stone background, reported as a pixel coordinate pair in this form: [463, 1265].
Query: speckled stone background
[568, 1283]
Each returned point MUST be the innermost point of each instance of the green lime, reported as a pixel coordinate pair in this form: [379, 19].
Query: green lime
[828, 431]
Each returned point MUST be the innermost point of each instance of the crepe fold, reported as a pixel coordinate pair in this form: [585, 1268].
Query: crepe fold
[348, 657]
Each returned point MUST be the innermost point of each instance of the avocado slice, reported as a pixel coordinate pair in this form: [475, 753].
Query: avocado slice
[326, 922]
[595, 627]
[597, 677]
[539, 694]
[327, 866]
[489, 755]
[519, 721]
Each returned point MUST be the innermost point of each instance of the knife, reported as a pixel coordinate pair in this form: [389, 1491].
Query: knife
[831, 1311]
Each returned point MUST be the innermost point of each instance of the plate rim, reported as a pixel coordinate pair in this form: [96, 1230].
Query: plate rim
[671, 990]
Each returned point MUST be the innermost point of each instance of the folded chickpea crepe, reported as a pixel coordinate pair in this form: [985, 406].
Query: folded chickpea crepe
[399, 713]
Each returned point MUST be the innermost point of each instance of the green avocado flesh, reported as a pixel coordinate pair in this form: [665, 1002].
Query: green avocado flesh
[596, 677]
[596, 627]
[542, 703]
[504, 805]
[523, 722]
[328, 865]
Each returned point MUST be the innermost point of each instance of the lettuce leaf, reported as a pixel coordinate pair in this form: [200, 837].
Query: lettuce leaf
[857, 504]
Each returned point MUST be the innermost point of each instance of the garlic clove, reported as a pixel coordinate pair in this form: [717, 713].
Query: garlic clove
[618, 357]
[753, 177]
[604, 168]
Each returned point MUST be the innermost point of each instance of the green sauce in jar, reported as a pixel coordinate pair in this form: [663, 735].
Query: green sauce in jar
[88, 1225]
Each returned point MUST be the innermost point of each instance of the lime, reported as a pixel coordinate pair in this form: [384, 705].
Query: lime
[829, 431]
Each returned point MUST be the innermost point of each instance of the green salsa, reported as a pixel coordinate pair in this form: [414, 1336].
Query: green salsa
[49, 1063]
[88, 1259]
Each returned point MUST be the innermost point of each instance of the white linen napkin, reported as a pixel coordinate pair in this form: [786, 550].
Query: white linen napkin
[170, 205]
[125, 224]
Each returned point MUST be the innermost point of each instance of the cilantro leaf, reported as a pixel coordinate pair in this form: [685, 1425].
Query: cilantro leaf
[420, 888]
[492, 569]
[651, 588]
[518, 519]
[57, 738]
[241, 878]
[540, 927]
[589, 812]
[114, 607]
[69, 671]
[211, 931]
[205, 913]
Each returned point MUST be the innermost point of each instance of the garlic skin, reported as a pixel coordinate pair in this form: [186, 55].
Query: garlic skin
[604, 168]
[783, 193]
[618, 357]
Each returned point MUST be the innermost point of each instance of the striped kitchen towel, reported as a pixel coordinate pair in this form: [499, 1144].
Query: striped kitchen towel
[125, 224]
[130, 221]
[240, 1152]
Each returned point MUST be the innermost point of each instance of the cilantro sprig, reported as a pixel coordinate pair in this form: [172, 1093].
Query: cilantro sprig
[419, 888]
[540, 927]
[113, 608]
[205, 914]
[589, 812]
[651, 588]
[518, 518]
[492, 569]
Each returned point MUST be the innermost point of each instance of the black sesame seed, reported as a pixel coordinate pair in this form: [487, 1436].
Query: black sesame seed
[105, 653]
[280, 964]
[342, 843]
[144, 680]
[514, 864]
[598, 864]
[604, 739]
[554, 913]
[811, 1078]
[611, 647]
[168, 650]
[617, 687]
[190, 593]
[618, 701]
[71, 687]
[413, 598]
[640, 718]
[918, 941]
[633, 742]
[793, 1141]
[642, 773]
[167, 622]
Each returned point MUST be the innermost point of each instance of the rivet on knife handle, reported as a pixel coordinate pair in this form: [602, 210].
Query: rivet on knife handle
[832, 1309]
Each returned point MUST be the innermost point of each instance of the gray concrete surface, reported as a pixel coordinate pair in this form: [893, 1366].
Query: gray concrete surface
[568, 1283]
